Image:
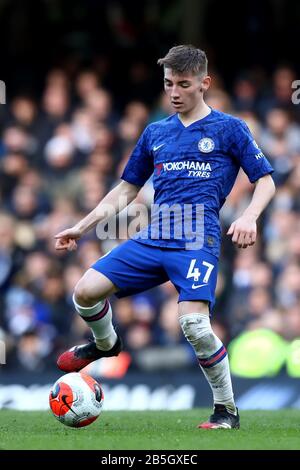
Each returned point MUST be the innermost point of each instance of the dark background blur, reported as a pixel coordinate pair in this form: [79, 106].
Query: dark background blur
[82, 83]
[36, 35]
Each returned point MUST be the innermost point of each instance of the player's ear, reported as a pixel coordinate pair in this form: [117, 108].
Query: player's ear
[205, 83]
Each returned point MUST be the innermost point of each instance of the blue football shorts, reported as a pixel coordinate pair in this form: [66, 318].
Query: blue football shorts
[135, 267]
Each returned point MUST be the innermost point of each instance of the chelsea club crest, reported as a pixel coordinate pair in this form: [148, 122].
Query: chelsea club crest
[206, 145]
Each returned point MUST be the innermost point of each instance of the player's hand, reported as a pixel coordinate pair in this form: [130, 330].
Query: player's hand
[243, 231]
[66, 240]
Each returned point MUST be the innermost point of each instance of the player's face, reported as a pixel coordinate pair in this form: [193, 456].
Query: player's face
[185, 91]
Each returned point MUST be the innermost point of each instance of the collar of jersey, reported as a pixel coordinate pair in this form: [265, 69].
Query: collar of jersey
[199, 121]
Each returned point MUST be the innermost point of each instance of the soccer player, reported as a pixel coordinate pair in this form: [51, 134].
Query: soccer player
[194, 156]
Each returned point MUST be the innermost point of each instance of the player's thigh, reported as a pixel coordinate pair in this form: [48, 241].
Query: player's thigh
[133, 267]
[93, 286]
[194, 274]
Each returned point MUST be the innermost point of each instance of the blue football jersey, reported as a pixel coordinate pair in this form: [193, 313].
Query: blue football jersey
[194, 168]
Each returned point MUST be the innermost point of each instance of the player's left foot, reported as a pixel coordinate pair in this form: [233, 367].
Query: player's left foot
[221, 419]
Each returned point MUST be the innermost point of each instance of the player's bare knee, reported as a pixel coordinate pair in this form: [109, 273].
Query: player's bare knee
[191, 306]
[83, 294]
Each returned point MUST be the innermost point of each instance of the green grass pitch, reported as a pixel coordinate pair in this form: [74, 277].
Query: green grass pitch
[149, 430]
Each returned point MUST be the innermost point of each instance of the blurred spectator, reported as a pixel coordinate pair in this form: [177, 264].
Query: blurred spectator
[245, 94]
[280, 94]
[24, 112]
[280, 140]
[220, 100]
[16, 139]
[86, 82]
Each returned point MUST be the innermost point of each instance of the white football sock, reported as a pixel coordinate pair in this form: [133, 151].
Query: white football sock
[212, 357]
[99, 319]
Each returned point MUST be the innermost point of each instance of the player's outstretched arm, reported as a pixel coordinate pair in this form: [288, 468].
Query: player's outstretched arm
[243, 229]
[115, 201]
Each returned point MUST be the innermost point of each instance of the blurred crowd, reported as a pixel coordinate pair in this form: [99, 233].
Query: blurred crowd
[62, 152]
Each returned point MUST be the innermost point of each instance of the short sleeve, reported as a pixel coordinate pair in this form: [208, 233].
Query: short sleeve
[248, 154]
[140, 165]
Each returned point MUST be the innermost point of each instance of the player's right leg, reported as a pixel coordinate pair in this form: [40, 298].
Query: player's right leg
[90, 300]
[130, 268]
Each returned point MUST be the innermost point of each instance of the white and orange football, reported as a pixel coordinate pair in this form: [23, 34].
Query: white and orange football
[76, 399]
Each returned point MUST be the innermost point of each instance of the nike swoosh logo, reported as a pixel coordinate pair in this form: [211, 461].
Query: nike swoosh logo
[64, 400]
[157, 147]
[197, 287]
